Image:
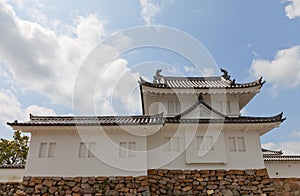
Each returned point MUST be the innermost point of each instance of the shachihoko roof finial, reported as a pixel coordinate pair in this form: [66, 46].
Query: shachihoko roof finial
[158, 78]
[225, 74]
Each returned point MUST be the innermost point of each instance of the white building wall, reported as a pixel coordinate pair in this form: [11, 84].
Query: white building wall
[252, 157]
[11, 174]
[172, 147]
[283, 169]
[226, 104]
[66, 161]
[220, 158]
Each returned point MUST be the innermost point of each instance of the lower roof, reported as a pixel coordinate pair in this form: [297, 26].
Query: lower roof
[158, 119]
[12, 166]
[283, 158]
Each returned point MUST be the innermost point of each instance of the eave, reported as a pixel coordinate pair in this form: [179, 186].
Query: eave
[282, 158]
[38, 123]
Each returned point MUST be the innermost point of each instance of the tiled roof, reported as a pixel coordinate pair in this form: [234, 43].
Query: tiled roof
[240, 119]
[199, 83]
[90, 120]
[12, 166]
[267, 152]
[282, 158]
[134, 120]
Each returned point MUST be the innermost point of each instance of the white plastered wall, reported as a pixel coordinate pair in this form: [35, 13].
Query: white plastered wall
[220, 158]
[283, 169]
[66, 161]
[11, 174]
[179, 155]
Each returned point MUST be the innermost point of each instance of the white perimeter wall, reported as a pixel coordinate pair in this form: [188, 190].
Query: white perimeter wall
[182, 154]
[188, 157]
[66, 161]
[11, 175]
[282, 169]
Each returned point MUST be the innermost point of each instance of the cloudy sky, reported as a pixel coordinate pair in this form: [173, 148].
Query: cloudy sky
[44, 44]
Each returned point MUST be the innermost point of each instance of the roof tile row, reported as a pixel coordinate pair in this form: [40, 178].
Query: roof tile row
[134, 120]
[199, 83]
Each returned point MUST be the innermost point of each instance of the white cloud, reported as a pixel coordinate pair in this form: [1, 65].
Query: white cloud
[46, 61]
[43, 60]
[288, 147]
[270, 146]
[39, 110]
[292, 10]
[188, 69]
[208, 72]
[172, 70]
[149, 11]
[282, 71]
[11, 109]
[123, 88]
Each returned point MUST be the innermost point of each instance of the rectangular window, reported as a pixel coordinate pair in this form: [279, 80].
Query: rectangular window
[43, 150]
[127, 149]
[132, 149]
[220, 105]
[87, 149]
[173, 107]
[177, 107]
[92, 149]
[228, 109]
[122, 149]
[82, 150]
[47, 150]
[241, 144]
[51, 150]
[232, 144]
[236, 144]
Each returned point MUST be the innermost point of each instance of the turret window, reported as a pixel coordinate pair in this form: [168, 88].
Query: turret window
[173, 107]
[236, 144]
[87, 149]
[127, 149]
[47, 150]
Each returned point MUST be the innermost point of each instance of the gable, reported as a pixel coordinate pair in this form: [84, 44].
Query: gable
[202, 112]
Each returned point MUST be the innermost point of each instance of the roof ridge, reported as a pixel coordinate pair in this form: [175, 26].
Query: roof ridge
[203, 82]
[194, 77]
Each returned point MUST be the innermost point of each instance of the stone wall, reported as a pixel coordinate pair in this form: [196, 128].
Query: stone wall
[210, 182]
[287, 186]
[159, 182]
[9, 188]
[129, 186]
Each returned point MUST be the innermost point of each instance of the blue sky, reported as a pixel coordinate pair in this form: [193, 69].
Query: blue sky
[43, 44]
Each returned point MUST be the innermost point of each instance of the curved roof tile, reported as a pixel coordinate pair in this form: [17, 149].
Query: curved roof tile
[158, 119]
[199, 83]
